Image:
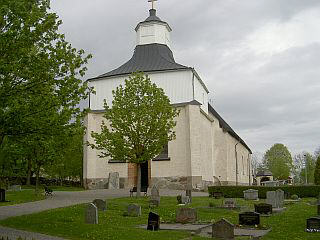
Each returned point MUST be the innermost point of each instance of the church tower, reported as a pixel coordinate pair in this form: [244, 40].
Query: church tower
[203, 152]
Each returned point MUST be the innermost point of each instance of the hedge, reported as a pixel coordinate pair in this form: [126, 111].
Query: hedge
[237, 191]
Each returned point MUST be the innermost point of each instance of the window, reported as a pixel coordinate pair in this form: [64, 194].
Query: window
[163, 156]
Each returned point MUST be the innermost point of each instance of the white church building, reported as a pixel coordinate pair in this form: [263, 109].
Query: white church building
[206, 150]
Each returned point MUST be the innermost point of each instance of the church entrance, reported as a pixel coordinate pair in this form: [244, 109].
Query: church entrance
[144, 175]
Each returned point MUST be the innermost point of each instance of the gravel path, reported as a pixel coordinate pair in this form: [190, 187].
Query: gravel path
[64, 199]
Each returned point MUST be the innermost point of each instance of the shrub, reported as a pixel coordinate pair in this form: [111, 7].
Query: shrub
[237, 191]
[294, 197]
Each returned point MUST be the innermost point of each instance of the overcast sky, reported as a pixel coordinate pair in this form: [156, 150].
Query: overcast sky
[259, 58]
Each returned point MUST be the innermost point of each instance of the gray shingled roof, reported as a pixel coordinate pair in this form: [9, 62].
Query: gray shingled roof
[147, 58]
[226, 126]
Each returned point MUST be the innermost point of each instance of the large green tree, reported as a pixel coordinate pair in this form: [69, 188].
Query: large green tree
[39, 71]
[279, 161]
[138, 125]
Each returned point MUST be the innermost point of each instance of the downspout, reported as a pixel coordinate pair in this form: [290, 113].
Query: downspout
[236, 155]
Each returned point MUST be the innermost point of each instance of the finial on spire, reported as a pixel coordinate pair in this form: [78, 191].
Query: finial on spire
[152, 1]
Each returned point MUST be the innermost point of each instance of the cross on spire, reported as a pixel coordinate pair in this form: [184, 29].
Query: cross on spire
[152, 1]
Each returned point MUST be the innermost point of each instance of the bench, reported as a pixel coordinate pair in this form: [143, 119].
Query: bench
[48, 191]
[143, 190]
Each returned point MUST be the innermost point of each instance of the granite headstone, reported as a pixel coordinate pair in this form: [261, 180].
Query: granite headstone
[153, 222]
[100, 204]
[114, 181]
[249, 218]
[250, 194]
[223, 230]
[91, 214]
[134, 210]
[186, 215]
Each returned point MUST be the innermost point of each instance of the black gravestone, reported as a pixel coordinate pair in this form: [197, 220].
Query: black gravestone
[249, 218]
[2, 195]
[263, 208]
[153, 222]
[313, 224]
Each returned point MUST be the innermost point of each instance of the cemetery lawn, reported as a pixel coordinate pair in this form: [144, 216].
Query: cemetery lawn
[58, 188]
[21, 197]
[69, 222]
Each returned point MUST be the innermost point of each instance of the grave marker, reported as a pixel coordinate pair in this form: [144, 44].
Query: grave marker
[134, 210]
[263, 208]
[153, 222]
[313, 224]
[91, 214]
[114, 182]
[186, 215]
[250, 194]
[100, 204]
[249, 218]
[223, 230]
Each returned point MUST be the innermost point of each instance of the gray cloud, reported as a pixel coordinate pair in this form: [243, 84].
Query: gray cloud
[267, 96]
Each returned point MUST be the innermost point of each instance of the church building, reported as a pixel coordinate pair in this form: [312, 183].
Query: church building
[206, 151]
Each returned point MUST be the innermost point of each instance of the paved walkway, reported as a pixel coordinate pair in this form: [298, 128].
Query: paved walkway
[64, 199]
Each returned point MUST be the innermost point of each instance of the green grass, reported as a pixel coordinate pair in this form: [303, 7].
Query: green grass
[69, 222]
[21, 197]
[57, 188]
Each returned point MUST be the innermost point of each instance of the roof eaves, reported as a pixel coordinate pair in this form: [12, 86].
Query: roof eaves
[146, 72]
[200, 80]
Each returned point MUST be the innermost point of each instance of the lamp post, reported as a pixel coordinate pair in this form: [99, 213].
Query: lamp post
[305, 167]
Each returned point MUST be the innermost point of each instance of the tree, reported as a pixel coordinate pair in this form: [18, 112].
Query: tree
[317, 172]
[139, 124]
[39, 71]
[279, 161]
[307, 169]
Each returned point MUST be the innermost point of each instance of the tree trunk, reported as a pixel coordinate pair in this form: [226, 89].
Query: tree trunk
[29, 173]
[139, 180]
[1, 139]
[37, 179]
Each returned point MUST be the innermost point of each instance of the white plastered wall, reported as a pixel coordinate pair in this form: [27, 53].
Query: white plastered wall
[149, 33]
[177, 85]
[94, 166]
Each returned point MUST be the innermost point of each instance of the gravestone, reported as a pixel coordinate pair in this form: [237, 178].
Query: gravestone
[186, 215]
[15, 188]
[185, 199]
[114, 182]
[249, 218]
[91, 214]
[100, 204]
[263, 208]
[2, 195]
[313, 224]
[279, 198]
[154, 203]
[153, 222]
[271, 199]
[223, 229]
[229, 203]
[250, 194]
[155, 196]
[217, 195]
[134, 210]
[189, 194]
